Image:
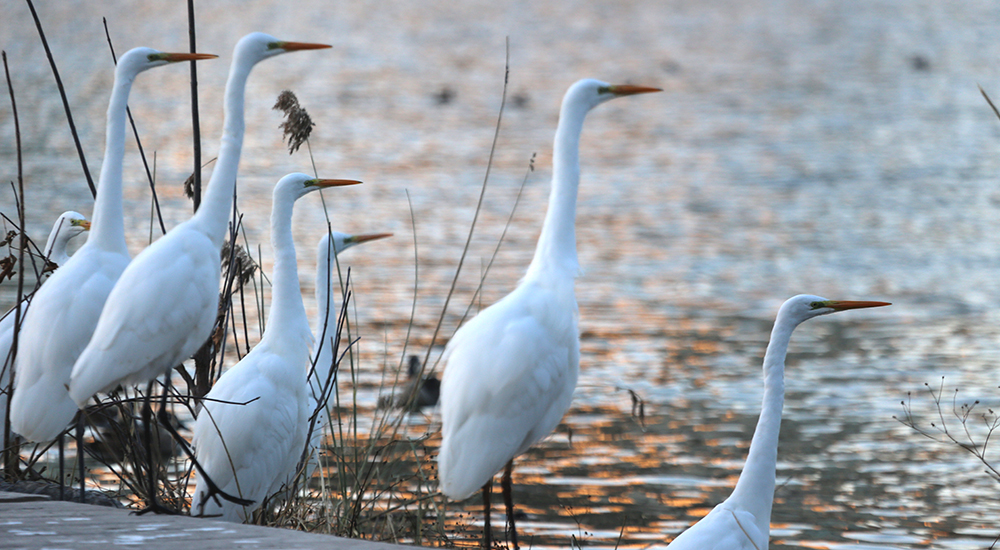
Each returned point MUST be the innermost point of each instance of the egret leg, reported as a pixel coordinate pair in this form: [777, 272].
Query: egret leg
[487, 532]
[151, 461]
[62, 475]
[79, 457]
[508, 501]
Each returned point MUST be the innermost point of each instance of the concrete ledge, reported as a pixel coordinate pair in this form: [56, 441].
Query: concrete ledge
[21, 497]
[33, 522]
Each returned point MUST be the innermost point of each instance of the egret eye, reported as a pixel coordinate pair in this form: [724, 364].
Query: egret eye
[274, 45]
[604, 90]
[816, 305]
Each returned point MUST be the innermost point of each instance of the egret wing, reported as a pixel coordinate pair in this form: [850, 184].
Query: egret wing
[57, 326]
[144, 329]
[244, 448]
[510, 378]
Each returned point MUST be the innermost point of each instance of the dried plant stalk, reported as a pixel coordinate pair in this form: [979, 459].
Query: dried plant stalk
[297, 125]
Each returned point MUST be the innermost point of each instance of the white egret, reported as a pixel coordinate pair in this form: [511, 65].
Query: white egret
[512, 369]
[165, 303]
[68, 225]
[65, 309]
[247, 449]
[321, 376]
[326, 317]
[742, 521]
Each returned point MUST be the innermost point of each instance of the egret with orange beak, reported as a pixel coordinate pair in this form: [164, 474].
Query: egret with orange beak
[743, 521]
[64, 311]
[512, 369]
[322, 375]
[68, 225]
[248, 449]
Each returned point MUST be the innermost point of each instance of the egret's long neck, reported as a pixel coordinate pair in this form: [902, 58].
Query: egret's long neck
[556, 250]
[213, 214]
[326, 317]
[55, 247]
[755, 488]
[324, 269]
[107, 229]
[328, 305]
[287, 318]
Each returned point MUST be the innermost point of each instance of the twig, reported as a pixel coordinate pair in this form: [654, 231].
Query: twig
[941, 432]
[992, 106]
[33, 250]
[409, 326]
[12, 455]
[195, 118]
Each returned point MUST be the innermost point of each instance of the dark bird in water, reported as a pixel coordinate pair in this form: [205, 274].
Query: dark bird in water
[417, 393]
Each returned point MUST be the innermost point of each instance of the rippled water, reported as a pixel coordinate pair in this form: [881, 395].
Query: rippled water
[835, 148]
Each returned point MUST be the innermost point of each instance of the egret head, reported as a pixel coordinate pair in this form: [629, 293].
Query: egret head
[343, 241]
[297, 184]
[68, 225]
[258, 46]
[806, 306]
[74, 223]
[592, 93]
[138, 60]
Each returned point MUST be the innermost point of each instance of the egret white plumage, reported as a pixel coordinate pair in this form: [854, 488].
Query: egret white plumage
[165, 303]
[65, 309]
[68, 225]
[742, 521]
[512, 369]
[247, 449]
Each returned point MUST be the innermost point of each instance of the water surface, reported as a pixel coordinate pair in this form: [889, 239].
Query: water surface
[834, 148]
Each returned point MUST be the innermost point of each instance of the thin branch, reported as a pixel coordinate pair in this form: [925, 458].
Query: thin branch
[942, 434]
[992, 106]
[195, 118]
[12, 455]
